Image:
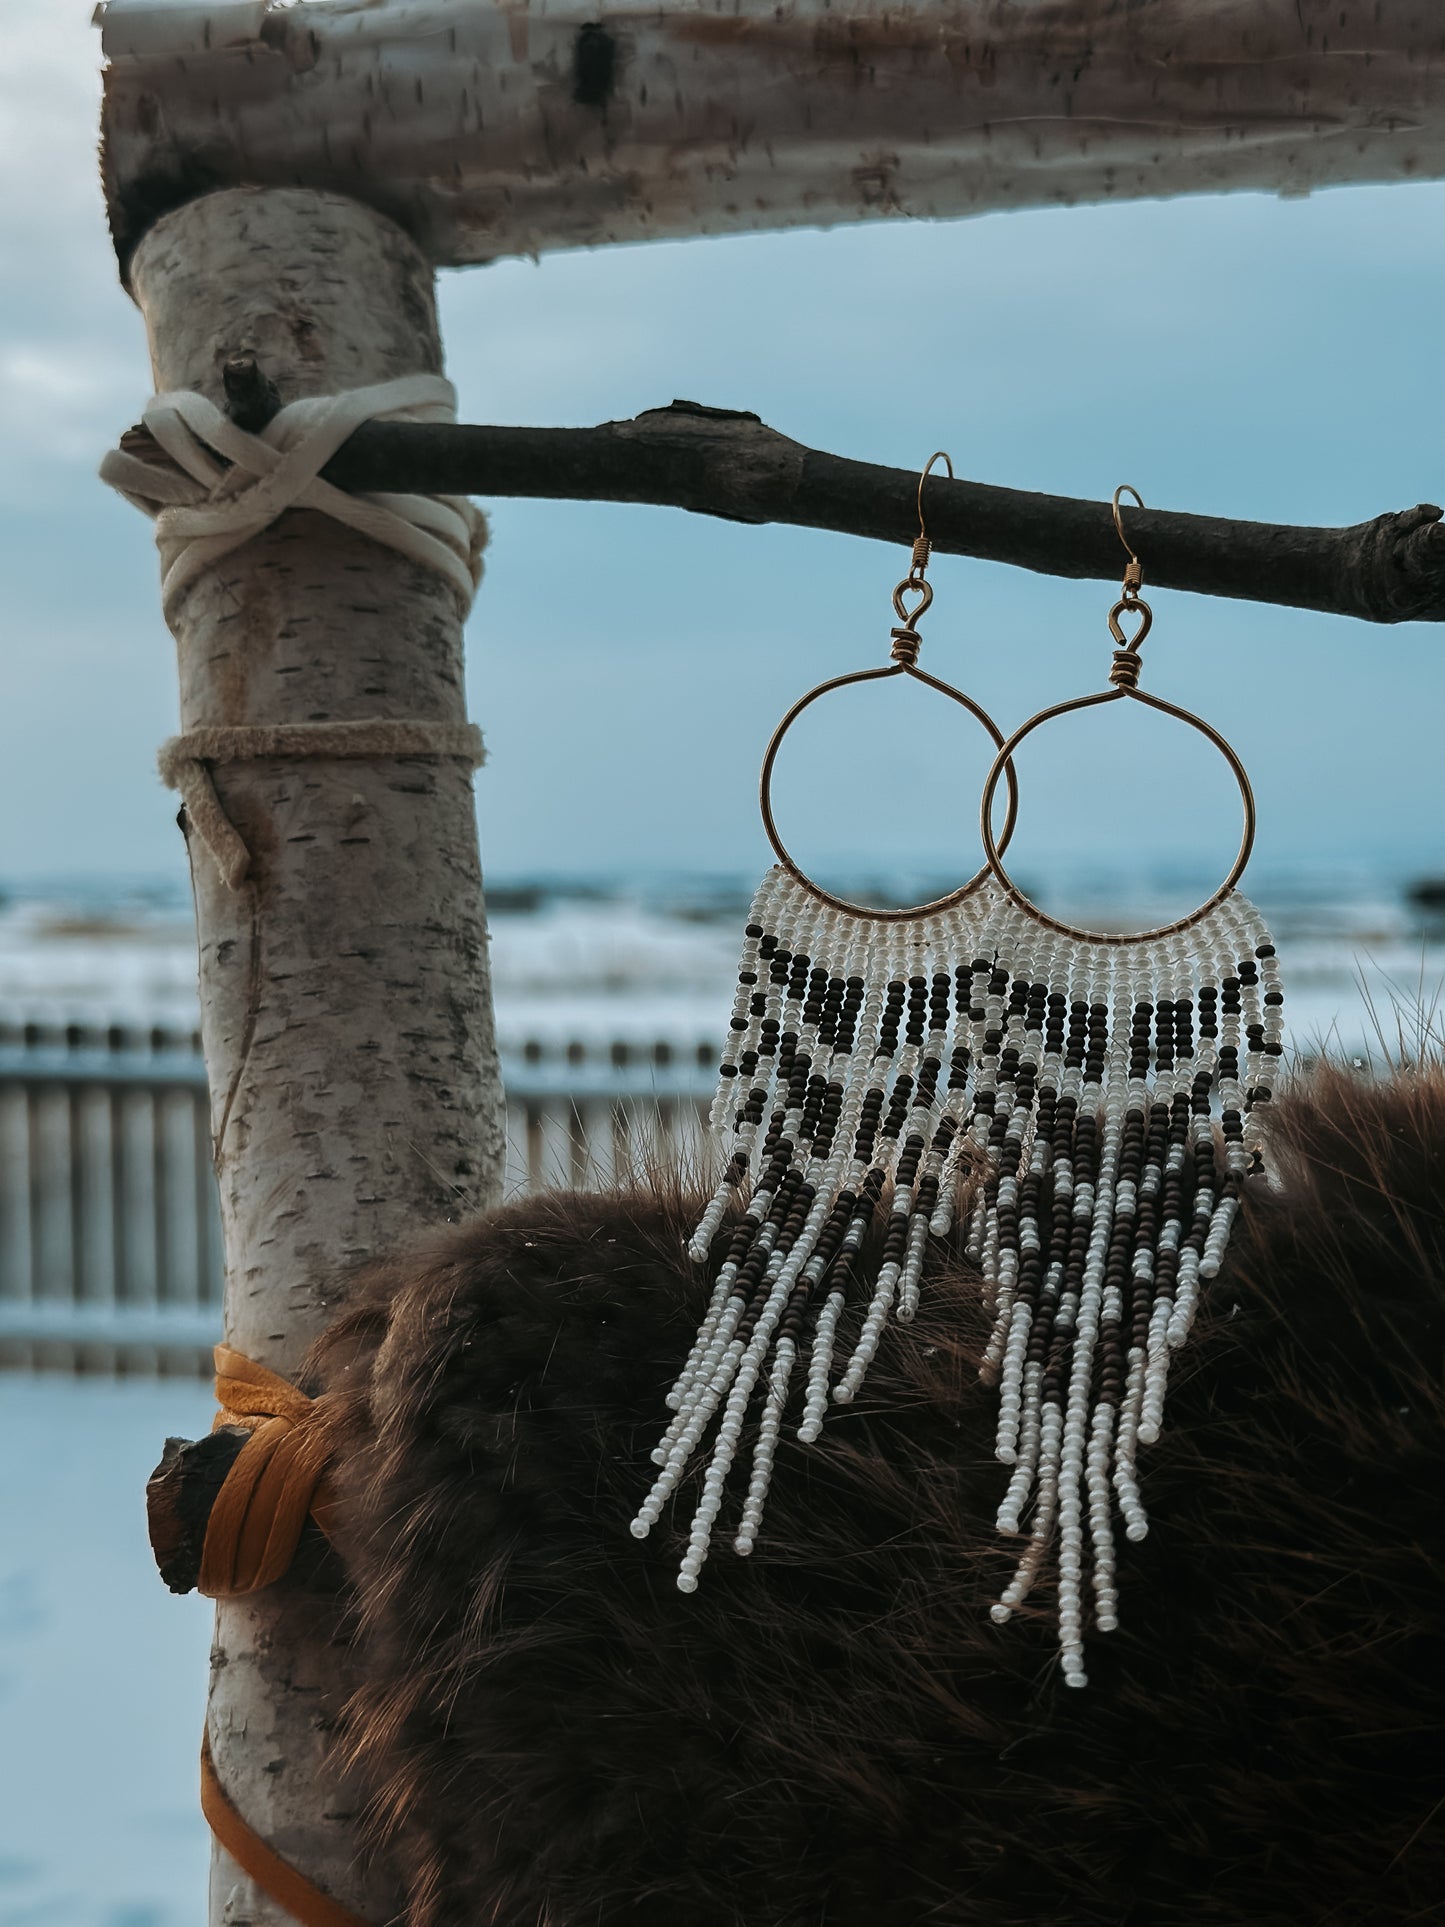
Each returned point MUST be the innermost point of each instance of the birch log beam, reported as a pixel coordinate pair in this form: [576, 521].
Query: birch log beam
[346, 1007]
[503, 127]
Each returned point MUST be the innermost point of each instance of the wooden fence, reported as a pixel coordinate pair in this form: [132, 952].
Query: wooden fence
[110, 1238]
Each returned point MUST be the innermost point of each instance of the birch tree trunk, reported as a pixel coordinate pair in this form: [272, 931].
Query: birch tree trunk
[345, 999]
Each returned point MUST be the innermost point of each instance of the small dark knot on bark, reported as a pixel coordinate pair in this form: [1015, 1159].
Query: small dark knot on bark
[251, 399]
[594, 66]
[1400, 566]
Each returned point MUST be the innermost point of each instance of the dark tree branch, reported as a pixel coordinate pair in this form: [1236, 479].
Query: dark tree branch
[722, 462]
[179, 1497]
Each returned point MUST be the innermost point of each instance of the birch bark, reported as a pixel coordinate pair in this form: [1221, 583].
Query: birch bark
[495, 127]
[346, 1005]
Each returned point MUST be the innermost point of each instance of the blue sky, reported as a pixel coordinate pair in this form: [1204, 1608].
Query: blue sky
[1237, 356]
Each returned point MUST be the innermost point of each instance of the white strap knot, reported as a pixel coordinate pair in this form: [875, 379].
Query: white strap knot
[229, 485]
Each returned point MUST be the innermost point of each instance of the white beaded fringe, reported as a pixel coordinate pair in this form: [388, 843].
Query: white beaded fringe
[1102, 1099]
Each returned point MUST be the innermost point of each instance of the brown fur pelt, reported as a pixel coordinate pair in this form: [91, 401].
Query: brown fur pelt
[833, 1733]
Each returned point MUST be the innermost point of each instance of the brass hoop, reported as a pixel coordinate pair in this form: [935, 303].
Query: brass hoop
[994, 850]
[765, 792]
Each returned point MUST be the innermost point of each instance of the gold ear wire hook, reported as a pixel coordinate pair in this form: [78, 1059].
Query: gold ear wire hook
[939, 455]
[1125, 672]
[1134, 570]
[905, 636]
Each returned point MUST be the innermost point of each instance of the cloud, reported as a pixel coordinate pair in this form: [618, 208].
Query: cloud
[1261, 358]
[57, 409]
[69, 369]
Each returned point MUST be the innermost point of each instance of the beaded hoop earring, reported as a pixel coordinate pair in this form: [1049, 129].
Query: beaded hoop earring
[1060, 1077]
[1129, 1071]
[846, 1072]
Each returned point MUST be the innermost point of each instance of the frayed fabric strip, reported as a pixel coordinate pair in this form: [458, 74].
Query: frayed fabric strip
[184, 763]
[228, 485]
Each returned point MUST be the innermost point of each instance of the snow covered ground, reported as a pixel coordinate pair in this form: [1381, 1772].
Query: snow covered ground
[102, 1671]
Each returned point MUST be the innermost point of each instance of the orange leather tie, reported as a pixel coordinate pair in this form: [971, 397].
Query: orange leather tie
[274, 1484]
[306, 1904]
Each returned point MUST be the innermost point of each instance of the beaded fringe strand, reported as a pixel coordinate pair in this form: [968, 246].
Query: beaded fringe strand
[1094, 1102]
